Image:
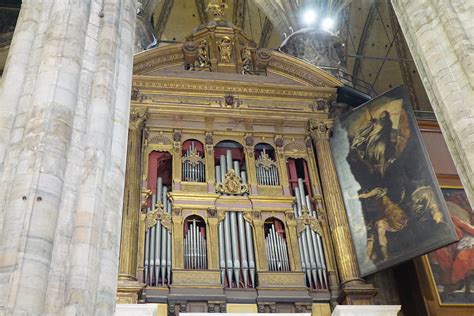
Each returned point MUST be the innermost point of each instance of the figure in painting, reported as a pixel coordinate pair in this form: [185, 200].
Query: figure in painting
[393, 219]
[374, 143]
[453, 265]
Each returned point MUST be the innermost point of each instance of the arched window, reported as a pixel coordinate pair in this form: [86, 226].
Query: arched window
[275, 245]
[230, 159]
[195, 246]
[157, 256]
[193, 163]
[265, 165]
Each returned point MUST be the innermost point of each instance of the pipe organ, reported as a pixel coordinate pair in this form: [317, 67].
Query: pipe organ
[232, 208]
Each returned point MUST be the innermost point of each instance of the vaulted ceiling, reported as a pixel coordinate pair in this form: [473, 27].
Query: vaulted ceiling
[376, 55]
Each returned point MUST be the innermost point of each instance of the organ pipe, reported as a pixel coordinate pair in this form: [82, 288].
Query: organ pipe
[157, 261]
[310, 242]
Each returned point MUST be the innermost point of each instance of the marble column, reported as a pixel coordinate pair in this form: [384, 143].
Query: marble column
[440, 37]
[128, 286]
[354, 290]
[64, 109]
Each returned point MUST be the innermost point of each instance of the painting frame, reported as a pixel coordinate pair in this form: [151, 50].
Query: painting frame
[430, 286]
[364, 230]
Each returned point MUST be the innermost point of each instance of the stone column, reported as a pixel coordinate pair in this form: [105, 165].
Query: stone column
[440, 37]
[354, 290]
[128, 286]
[64, 103]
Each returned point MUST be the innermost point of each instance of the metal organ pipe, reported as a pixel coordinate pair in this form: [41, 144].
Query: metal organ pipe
[310, 242]
[277, 252]
[236, 256]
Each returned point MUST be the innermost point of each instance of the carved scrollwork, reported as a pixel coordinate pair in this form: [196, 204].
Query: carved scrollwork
[160, 139]
[314, 224]
[193, 157]
[248, 216]
[220, 215]
[158, 214]
[232, 184]
[145, 194]
[264, 161]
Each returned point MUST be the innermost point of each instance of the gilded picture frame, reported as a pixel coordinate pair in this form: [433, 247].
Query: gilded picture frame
[390, 191]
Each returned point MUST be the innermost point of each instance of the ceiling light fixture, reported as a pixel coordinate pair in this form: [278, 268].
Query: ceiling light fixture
[327, 24]
[309, 17]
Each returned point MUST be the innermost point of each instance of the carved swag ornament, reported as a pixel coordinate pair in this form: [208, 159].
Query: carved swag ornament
[232, 184]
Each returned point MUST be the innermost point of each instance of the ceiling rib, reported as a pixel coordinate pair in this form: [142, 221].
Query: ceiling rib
[267, 30]
[201, 9]
[369, 22]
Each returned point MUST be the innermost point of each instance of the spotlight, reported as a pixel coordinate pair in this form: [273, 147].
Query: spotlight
[327, 24]
[309, 17]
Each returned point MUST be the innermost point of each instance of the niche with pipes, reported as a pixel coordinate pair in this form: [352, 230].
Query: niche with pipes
[157, 254]
[193, 163]
[275, 245]
[230, 167]
[194, 243]
[265, 165]
[310, 243]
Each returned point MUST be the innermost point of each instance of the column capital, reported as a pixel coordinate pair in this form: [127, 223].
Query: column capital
[138, 116]
[320, 129]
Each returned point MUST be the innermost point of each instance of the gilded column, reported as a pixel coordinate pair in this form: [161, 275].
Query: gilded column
[212, 240]
[321, 213]
[177, 239]
[292, 240]
[354, 289]
[128, 286]
[259, 237]
[210, 176]
[282, 172]
[250, 160]
[177, 160]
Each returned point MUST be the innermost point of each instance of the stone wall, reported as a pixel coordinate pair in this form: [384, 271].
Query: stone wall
[64, 110]
[440, 37]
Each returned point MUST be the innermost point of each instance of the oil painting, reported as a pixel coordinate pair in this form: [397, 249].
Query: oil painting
[393, 202]
[452, 267]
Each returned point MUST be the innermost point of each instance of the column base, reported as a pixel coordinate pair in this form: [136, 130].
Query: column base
[357, 292]
[366, 310]
[128, 290]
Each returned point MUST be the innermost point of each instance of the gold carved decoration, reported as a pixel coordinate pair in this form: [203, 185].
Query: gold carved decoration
[295, 147]
[217, 9]
[158, 214]
[232, 184]
[137, 117]
[160, 139]
[225, 50]
[194, 158]
[265, 161]
[144, 197]
[313, 223]
[220, 215]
